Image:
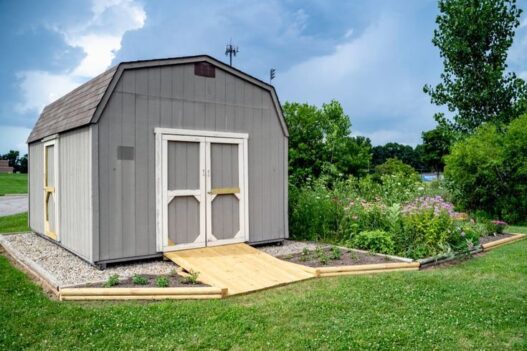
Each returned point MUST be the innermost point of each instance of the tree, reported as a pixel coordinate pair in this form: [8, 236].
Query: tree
[436, 144]
[320, 143]
[487, 171]
[12, 156]
[473, 38]
[405, 153]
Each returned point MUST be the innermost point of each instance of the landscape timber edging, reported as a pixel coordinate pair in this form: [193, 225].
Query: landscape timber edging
[174, 293]
[498, 243]
[366, 268]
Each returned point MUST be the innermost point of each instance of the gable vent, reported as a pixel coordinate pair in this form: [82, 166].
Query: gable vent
[204, 69]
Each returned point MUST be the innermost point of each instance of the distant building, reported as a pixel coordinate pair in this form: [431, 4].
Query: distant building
[4, 167]
[431, 176]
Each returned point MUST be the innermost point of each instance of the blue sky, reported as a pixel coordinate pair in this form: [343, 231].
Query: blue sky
[374, 56]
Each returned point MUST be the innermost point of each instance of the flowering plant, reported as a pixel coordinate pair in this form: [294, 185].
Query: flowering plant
[498, 226]
[434, 203]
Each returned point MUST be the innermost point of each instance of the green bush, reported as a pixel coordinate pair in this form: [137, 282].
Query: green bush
[139, 280]
[487, 171]
[394, 166]
[113, 280]
[315, 214]
[162, 282]
[375, 241]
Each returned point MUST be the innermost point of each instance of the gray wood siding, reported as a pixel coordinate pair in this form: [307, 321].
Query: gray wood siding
[36, 187]
[75, 211]
[173, 97]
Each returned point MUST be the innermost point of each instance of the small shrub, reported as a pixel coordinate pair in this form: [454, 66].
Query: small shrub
[336, 254]
[375, 241]
[306, 255]
[139, 280]
[113, 280]
[162, 282]
[192, 278]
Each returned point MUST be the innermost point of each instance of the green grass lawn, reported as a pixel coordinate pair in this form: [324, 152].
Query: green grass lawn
[516, 229]
[13, 183]
[479, 304]
[13, 224]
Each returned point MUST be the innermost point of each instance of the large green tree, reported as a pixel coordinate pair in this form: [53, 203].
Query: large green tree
[320, 143]
[473, 37]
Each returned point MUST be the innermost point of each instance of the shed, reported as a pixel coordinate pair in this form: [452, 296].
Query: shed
[160, 155]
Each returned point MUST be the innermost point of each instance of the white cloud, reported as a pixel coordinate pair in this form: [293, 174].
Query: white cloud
[99, 38]
[40, 88]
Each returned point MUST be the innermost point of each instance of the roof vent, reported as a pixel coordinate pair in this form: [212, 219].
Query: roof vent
[204, 69]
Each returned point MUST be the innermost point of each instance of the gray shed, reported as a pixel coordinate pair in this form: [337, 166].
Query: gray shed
[160, 155]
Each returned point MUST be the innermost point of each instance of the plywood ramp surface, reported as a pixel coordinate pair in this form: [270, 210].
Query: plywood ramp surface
[238, 267]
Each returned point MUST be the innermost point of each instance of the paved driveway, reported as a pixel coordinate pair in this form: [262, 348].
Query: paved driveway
[10, 205]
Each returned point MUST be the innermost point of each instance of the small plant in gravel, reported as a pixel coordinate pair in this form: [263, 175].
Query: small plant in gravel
[113, 280]
[353, 255]
[173, 273]
[192, 278]
[336, 254]
[162, 282]
[139, 280]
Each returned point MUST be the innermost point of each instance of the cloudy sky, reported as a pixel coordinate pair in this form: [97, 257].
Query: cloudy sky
[374, 56]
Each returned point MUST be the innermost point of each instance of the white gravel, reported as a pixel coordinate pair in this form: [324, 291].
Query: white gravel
[289, 247]
[68, 269]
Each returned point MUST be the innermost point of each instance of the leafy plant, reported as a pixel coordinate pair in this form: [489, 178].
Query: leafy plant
[375, 241]
[139, 280]
[336, 253]
[113, 280]
[192, 278]
[162, 282]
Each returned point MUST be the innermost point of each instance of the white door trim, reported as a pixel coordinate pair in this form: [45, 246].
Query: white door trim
[56, 191]
[162, 136]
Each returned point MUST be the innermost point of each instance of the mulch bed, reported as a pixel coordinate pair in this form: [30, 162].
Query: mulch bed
[173, 281]
[491, 238]
[315, 258]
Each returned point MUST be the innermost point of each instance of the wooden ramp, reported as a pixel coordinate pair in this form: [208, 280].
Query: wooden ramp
[239, 267]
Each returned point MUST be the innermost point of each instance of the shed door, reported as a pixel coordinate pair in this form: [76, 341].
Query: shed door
[50, 189]
[184, 197]
[225, 191]
[203, 191]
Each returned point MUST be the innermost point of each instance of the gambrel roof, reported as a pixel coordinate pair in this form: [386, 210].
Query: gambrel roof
[85, 104]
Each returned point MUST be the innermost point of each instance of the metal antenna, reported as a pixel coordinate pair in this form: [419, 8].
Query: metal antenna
[231, 50]
[272, 72]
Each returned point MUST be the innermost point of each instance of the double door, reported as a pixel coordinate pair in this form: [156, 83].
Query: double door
[204, 197]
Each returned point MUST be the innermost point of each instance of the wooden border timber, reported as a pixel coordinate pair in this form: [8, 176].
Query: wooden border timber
[178, 293]
[37, 275]
[366, 268]
[494, 244]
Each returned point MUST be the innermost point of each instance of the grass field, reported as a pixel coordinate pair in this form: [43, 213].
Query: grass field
[13, 183]
[13, 224]
[478, 304]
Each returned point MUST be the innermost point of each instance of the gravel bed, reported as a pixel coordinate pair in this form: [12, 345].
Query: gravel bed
[289, 247]
[68, 269]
